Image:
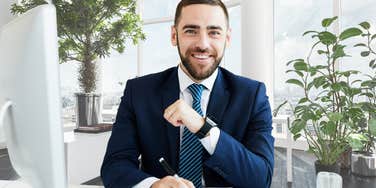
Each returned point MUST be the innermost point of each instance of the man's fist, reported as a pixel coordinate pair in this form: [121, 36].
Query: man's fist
[180, 113]
[172, 182]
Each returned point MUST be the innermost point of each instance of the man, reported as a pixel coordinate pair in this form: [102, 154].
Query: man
[211, 126]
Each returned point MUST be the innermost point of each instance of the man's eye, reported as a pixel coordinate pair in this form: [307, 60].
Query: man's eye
[190, 31]
[215, 33]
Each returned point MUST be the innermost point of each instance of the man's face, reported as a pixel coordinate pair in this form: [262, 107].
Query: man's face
[201, 36]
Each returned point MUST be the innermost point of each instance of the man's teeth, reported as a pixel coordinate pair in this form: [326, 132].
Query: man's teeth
[201, 56]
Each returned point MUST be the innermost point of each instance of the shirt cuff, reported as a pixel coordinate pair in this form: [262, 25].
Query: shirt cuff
[147, 182]
[210, 142]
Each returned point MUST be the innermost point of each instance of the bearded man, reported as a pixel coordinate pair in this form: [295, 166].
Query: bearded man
[211, 126]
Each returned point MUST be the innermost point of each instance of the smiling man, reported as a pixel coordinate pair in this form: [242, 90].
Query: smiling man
[211, 126]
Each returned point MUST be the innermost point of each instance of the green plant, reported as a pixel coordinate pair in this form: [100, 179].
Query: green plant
[328, 113]
[364, 139]
[90, 29]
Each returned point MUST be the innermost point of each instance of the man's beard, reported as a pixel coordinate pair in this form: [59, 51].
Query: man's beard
[197, 75]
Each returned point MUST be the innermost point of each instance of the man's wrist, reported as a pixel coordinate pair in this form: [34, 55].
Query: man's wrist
[205, 128]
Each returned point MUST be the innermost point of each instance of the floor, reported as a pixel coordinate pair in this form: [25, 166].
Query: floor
[6, 170]
[303, 172]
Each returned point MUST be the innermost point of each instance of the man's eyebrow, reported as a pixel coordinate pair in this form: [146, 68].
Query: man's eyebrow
[210, 27]
[191, 26]
[214, 27]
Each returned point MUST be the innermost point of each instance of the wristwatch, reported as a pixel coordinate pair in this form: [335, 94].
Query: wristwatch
[205, 128]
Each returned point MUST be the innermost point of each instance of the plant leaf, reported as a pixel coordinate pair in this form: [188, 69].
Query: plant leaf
[297, 126]
[275, 112]
[365, 25]
[307, 32]
[350, 32]
[372, 62]
[297, 72]
[360, 44]
[372, 126]
[321, 52]
[364, 53]
[302, 100]
[327, 21]
[296, 82]
[319, 81]
[373, 37]
[327, 38]
[338, 51]
[294, 60]
[329, 128]
[300, 65]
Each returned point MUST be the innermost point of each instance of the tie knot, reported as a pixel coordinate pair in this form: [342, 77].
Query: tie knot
[196, 91]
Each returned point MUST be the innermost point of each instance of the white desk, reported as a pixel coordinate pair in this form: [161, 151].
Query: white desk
[17, 184]
[84, 155]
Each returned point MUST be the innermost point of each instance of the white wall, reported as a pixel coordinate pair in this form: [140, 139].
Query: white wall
[258, 42]
[5, 17]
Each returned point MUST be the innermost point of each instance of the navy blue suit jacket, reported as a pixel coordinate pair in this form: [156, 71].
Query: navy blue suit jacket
[243, 156]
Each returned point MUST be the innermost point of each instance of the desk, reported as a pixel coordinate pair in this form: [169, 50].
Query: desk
[17, 184]
[84, 156]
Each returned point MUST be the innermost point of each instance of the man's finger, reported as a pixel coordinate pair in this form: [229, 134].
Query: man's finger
[188, 183]
[175, 119]
[169, 111]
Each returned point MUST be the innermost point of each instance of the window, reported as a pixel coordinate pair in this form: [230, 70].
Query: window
[232, 58]
[156, 8]
[158, 52]
[292, 19]
[353, 13]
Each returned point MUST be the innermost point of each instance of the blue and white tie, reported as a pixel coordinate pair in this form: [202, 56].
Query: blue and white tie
[190, 161]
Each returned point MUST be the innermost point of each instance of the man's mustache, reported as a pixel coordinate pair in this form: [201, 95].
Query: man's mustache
[201, 50]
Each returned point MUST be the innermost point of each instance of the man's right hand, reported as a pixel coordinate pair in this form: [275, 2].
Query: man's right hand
[173, 182]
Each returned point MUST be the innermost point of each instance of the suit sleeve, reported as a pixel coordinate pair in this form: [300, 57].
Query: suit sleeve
[249, 162]
[120, 167]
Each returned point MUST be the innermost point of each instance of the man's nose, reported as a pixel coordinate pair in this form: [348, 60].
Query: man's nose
[203, 41]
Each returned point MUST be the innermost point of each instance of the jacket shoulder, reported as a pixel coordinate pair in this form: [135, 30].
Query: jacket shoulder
[154, 79]
[240, 82]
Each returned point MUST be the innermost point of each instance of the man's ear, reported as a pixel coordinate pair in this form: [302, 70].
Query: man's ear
[174, 36]
[228, 37]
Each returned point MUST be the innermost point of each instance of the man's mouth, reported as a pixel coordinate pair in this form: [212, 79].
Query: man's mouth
[200, 56]
[203, 58]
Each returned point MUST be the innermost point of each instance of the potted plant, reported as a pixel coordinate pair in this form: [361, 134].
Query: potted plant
[363, 158]
[327, 113]
[88, 30]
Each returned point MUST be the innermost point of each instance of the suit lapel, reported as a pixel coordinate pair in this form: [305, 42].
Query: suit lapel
[219, 99]
[170, 93]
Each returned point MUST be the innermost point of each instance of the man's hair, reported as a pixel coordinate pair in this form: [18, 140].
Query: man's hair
[184, 3]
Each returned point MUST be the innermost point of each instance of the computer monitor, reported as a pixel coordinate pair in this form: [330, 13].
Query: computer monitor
[30, 107]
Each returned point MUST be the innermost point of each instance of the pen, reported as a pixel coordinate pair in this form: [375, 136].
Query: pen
[167, 167]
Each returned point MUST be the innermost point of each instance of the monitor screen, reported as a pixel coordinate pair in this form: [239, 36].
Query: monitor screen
[30, 97]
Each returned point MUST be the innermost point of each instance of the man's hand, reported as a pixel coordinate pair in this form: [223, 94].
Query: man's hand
[181, 113]
[172, 182]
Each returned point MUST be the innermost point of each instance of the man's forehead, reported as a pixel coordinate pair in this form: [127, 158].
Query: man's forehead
[202, 15]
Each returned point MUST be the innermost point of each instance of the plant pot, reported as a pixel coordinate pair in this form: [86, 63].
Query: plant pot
[336, 168]
[363, 164]
[88, 109]
[344, 160]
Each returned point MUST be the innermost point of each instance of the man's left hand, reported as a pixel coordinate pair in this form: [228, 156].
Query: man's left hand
[180, 113]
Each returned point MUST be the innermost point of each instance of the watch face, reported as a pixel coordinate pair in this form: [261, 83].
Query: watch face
[211, 122]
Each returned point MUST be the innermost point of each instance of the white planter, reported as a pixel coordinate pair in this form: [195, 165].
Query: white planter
[362, 164]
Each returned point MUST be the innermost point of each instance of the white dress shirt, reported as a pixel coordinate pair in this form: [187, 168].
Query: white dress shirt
[209, 142]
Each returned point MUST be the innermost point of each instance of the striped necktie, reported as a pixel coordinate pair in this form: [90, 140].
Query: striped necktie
[190, 161]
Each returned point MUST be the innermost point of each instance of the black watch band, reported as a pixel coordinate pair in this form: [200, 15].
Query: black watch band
[205, 128]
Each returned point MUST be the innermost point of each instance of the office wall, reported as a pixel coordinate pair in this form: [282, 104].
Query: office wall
[5, 17]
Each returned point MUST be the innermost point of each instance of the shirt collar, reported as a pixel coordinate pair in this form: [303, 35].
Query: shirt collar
[185, 80]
